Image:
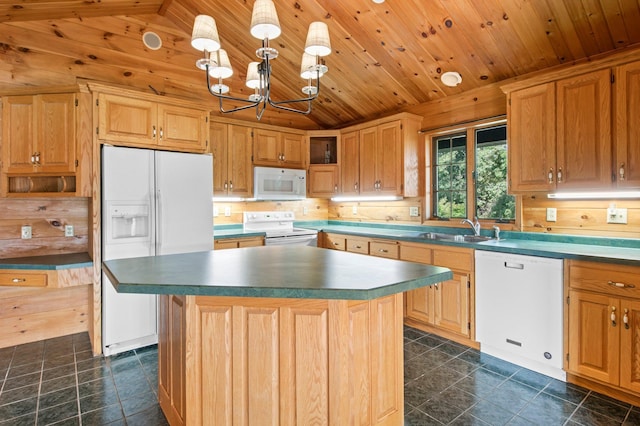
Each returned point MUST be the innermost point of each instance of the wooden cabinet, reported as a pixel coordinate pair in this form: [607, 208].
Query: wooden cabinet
[334, 241]
[446, 307]
[324, 180]
[172, 357]
[560, 134]
[274, 148]
[350, 163]
[142, 121]
[39, 133]
[357, 244]
[229, 243]
[386, 155]
[231, 147]
[604, 324]
[626, 129]
[46, 149]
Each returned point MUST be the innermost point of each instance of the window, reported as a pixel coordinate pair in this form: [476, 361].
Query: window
[492, 200]
[470, 179]
[450, 180]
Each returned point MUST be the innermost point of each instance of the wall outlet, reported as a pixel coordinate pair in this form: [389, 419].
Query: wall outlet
[68, 231]
[355, 209]
[216, 212]
[25, 232]
[615, 215]
[227, 211]
[414, 211]
[305, 210]
[552, 214]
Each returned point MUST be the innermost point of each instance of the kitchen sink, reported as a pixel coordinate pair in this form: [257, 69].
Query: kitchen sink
[439, 236]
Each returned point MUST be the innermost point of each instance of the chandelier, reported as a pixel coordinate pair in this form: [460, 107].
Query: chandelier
[265, 27]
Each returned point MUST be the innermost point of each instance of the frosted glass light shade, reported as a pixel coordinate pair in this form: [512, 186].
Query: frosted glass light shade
[253, 77]
[223, 67]
[309, 67]
[264, 20]
[318, 43]
[205, 34]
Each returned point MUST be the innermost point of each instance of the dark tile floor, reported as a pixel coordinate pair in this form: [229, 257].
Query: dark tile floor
[57, 381]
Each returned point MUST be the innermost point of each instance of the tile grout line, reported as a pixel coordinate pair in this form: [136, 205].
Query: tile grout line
[75, 365]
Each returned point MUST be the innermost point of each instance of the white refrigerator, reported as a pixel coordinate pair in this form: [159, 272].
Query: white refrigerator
[153, 202]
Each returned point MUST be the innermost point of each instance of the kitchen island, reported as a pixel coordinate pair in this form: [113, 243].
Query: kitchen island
[278, 335]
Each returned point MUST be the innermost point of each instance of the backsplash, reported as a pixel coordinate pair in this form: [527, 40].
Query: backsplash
[308, 209]
[47, 218]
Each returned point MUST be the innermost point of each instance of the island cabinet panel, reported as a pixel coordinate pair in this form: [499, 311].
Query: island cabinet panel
[171, 358]
[257, 361]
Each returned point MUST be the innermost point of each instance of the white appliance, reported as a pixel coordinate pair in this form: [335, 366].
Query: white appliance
[153, 202]
[278, 228]
[519, 310]
[271, 183]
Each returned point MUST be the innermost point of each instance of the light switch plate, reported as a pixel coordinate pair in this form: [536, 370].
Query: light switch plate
[552, 214]
[355, 209]
[68, 231]
[227, 211]
[615, 215]
[25, 232]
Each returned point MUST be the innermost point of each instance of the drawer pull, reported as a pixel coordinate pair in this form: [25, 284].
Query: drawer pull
[620, 285]
[18, 280]
[383, 250]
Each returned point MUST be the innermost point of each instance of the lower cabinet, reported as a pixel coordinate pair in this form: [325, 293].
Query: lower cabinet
[446, 308]
[604, 325]
[229, 243]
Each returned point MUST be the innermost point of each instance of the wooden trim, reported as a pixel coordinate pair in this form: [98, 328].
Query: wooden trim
[605, 389]
[427, 328]
[578, 67]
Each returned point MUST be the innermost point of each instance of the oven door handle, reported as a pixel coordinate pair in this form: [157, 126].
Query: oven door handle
[292, 239]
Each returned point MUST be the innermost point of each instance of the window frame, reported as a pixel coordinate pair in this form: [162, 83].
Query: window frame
[430, 170]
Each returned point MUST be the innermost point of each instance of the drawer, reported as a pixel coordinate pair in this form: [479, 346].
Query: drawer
[358, 245]
[23, 279]
[389, 249]
[415, 253]
[618, 280]
[334, 241]
[454, 258]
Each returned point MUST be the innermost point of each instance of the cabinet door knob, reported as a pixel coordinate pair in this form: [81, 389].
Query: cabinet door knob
[613, 316]
[231, 185]
[153, 131]
[225, 184]
[18, 280]
[625, 319]
[621, 172]
[550, 175]
[161, 133]
[559, 174]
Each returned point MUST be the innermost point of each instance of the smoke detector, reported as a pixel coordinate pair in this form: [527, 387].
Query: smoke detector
[152, 40]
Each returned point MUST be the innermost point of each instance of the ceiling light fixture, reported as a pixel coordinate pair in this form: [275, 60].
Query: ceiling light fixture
[451, 78]
[264, 26]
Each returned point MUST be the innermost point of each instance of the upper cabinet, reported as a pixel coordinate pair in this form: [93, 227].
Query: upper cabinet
[46, 144]
[273, 148]
[576, 128]
[231, 148]
[136, 121]
[382, 158]
[627, 130]
[560, 134]
[324, 171]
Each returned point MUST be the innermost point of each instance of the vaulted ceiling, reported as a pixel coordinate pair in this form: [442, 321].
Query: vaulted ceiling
[386, 57]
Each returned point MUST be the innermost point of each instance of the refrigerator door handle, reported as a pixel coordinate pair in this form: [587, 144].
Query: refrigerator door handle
[158, 222]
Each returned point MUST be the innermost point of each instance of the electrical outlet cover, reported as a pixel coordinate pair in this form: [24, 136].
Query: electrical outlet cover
[413, 211]
[25, 232]
[68, 231]
[552, 214]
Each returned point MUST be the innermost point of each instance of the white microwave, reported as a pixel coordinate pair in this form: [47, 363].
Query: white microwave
[271, 183]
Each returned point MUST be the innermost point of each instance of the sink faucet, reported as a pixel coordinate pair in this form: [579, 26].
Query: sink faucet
[474, 225]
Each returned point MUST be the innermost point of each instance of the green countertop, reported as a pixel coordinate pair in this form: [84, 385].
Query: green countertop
[274, 271]
[50, 262]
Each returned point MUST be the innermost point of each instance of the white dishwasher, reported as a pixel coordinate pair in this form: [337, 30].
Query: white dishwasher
[519, 310]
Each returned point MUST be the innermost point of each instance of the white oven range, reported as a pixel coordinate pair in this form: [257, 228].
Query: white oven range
[279, 229]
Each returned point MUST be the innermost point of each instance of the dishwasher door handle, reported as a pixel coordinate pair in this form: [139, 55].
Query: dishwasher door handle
[512, 265]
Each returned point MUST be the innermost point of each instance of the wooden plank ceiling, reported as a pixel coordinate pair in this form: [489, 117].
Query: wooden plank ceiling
[386, 57]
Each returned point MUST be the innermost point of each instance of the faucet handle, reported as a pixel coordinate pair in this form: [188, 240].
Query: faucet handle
[496, 230]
